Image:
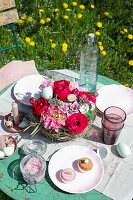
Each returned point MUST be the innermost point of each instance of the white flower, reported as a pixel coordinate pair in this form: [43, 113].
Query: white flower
[84, 108]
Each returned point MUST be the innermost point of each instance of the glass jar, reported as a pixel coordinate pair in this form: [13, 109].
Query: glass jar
[33, 167]
[35, 146]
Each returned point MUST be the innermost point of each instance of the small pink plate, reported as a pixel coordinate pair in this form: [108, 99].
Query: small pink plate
[15, 128]
[11, 139]
[68, 157]
[115, 95]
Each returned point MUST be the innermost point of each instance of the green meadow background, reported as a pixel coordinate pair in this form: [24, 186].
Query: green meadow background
[45, 25]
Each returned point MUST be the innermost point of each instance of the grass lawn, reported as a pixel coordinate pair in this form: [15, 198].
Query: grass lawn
[53, 33]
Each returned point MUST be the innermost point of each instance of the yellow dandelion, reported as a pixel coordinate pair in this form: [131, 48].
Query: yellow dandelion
[32, 43]
[82, 7]
[65, 16]
[41, 10]
[64, 47]
[101, 47]
[74, 3]
[42, 21]
[92, 6]
[30, 19]
[99, 24]
[122, 32]
[130, 62]
[106, 13]
[97, 33]
[68, 9]
[21, 21]
[65, 5]
[53, 45]
[56, 10]
[57, 14]
[27, 39]
[104, 53]
[79, 16]
[126, 84]
[100, 43]
[130, 36]
[47, 19]
[23, 17]
[125, 30]
[50, 40]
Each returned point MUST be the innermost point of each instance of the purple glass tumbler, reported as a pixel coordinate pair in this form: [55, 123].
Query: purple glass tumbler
[112, 123]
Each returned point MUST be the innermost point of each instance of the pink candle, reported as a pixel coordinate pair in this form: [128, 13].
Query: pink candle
[2, 141]
[15, 113]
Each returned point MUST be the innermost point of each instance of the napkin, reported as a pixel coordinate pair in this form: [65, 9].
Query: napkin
[15, 70]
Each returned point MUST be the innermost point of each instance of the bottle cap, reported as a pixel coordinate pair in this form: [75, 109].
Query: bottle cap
[91, 35]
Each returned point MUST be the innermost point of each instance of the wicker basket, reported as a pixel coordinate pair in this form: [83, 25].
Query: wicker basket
[63, 135]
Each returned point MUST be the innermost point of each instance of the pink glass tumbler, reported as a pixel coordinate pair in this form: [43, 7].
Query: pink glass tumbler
[112, 123]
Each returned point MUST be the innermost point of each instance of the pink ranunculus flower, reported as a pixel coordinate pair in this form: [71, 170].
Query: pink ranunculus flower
[39, 106]
[76, 123]
[86, 96]
[61, 89]
[46, 83]
[74, 85]
[75, 92]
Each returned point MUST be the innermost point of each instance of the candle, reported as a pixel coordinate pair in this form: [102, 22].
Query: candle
[15, 114]
[2, 141]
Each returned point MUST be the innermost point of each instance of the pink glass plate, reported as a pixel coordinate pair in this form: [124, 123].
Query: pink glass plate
[15, 128]
[68, 157]
[11, 139]
[115, 95]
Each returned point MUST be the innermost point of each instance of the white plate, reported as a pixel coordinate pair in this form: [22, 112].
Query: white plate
[115, 95]
[67, 157]
[28, 87]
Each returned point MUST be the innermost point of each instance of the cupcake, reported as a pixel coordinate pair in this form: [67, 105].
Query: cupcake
[85, 164]
[67, 175]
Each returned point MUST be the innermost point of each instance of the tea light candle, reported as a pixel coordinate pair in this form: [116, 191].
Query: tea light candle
[15, 114]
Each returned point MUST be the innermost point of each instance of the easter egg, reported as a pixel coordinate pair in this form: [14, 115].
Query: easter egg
[2, 154]
[123, 149]
[8, 151]
[47, 92]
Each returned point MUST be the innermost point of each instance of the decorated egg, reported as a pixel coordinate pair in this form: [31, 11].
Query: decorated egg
[123, 149]
[2, 154]
[47, 92]
[8, 151]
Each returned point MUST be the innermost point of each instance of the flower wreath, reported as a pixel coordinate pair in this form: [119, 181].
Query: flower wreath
[63, 105]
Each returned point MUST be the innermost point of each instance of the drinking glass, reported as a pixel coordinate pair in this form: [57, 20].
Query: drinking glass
[112, 123]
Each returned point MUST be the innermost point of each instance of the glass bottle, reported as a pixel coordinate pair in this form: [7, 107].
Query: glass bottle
[89, 62]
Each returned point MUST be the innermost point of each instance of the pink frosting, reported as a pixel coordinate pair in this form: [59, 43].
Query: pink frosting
[67, 175]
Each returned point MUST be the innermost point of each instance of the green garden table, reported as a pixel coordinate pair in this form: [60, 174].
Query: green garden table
[12, 183]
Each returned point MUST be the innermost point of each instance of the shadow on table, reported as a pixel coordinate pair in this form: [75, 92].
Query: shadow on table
[15, 173]
[95, 134]
[47, 178]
